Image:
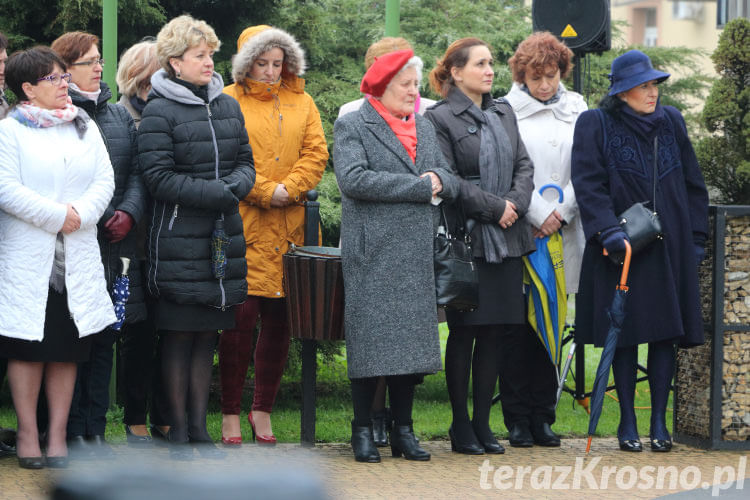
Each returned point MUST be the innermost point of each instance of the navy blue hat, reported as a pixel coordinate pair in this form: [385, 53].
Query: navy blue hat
[632, 69]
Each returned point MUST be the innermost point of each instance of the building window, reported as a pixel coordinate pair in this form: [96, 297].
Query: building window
[687, 11]
[726, 10]
[651, 31]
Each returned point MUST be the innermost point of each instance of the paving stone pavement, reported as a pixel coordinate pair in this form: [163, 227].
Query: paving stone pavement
[523, 473]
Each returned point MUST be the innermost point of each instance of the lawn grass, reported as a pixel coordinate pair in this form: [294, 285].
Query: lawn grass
[432, 413]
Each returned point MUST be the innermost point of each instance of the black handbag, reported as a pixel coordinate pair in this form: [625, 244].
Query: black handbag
[456, 275]
[642, 225]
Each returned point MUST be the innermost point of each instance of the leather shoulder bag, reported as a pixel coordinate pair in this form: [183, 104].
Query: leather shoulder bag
[642, 225]
[456, 276]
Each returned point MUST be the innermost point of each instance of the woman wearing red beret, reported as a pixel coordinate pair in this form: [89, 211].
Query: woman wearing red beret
[389, 168]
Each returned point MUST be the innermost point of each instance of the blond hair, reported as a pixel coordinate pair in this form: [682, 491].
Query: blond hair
[136, 66]
[384, 46]
[179, 35]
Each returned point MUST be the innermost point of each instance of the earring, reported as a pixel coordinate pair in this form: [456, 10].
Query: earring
[178, 74]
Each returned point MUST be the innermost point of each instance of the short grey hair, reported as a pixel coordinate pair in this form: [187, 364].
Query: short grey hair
[414, 62]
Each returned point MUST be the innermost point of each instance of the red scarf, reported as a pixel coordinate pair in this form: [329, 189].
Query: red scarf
[405, 130]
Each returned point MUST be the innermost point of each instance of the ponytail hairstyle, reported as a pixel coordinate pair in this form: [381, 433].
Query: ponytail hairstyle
[456, 56]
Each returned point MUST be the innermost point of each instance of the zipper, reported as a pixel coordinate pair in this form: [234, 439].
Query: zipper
[154, 260]
[174, 216]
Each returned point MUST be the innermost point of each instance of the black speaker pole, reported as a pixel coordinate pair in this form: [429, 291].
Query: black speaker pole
[577, 82]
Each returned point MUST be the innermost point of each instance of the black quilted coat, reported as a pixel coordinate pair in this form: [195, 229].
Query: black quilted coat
[119, 134]
[196, 163]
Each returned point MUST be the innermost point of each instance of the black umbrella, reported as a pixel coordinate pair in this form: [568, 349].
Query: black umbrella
[616, 317]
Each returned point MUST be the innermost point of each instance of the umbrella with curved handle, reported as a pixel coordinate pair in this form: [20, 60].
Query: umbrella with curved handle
[616, 317]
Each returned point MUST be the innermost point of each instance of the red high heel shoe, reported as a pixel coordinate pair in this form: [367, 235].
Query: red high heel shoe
[231, 441]
[263, 440]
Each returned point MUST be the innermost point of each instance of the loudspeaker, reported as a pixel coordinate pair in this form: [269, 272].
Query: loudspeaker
[582, 25]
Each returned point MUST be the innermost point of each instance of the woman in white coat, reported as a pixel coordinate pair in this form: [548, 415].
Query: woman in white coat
[547, 114]
[54, 295]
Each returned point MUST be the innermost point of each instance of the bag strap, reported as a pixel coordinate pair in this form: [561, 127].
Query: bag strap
[602, 119]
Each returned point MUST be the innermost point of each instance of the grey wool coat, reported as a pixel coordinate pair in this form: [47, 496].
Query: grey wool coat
[387, 231]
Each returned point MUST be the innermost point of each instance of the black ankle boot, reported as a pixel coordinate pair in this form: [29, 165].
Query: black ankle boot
[487, 439]
[403, 441]
[463, 440]
[363, 444]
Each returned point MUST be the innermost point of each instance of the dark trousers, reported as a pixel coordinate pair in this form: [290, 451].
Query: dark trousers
[528, 379]
[236, 349]
[88, 411]
[140, 374]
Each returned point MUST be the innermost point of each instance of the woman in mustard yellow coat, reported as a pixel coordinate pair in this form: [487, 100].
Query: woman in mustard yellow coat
[290, 154]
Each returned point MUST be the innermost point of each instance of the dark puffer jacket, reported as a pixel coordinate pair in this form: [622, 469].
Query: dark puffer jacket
[119, 134]
[196, 163]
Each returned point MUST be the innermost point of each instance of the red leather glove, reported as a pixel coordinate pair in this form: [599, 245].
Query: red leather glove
[118, 226]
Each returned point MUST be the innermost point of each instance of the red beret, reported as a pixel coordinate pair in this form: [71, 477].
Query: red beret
[383, 70]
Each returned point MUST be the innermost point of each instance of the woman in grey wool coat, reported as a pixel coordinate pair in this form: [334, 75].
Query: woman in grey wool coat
[389, 168]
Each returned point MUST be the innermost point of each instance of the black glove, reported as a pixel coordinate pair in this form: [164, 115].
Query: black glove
[233, 186]
[613, 239]
[229, 200]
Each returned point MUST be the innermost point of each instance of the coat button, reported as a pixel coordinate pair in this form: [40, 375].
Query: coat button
[555, 177]
[277, 158]
[277, 249]
[472, 129]
[278, 294]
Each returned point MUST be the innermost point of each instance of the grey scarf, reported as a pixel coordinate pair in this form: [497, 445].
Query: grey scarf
[496, 177]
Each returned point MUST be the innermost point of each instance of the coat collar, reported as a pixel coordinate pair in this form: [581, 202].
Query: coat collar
[460, 103]
[565, 109]
[384, 134]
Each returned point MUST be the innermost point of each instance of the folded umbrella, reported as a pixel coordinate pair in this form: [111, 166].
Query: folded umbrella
[616, 317]
[121, 293]
[545, 287]
[219, 243]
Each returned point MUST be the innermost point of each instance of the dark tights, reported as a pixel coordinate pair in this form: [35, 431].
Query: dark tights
[471, 351]
[400, 391]
[187, 361]
[661, 360]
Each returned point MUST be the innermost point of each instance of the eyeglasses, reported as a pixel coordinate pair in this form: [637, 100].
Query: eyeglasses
[91, 62]
[55, 79]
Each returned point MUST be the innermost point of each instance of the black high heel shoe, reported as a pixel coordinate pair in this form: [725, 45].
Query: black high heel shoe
[159, 438]
[182, 451]
[661, 445]
[31, 462]
[207, 449]
[363, 444]
[404, 442]
[630, 445]
[488, 441]
[467, 448]
[136, 440]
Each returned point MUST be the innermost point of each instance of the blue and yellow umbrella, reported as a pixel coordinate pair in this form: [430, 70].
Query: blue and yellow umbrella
[544, 279]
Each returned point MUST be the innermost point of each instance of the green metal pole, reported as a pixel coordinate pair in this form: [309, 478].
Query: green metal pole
[109, 52]
[392, 17]
[109, 44]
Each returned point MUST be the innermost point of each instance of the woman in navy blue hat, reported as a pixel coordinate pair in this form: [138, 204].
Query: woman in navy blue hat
[613, 168]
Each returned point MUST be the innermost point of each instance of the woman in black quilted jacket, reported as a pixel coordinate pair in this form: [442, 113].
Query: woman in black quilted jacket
[116, 236]
[196, 162]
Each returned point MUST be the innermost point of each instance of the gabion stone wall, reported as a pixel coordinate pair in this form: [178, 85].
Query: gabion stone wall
[693, 378]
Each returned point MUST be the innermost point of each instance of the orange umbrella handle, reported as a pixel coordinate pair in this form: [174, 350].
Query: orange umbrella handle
[623, 285]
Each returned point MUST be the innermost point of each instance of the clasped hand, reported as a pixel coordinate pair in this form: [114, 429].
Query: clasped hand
[280, 196]
[509, 215]
[550, 226]
[72, 220]
[437, 185]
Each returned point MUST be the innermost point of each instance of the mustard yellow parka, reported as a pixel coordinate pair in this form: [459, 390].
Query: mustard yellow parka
[289, 148]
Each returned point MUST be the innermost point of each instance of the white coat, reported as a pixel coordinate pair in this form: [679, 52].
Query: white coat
[547, 132]
[41, 170]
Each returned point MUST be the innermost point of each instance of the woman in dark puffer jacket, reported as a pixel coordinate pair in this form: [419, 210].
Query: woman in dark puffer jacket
[116, 236]
[196, 162]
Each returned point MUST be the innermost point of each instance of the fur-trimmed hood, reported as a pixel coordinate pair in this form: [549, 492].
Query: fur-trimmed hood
[256, 40]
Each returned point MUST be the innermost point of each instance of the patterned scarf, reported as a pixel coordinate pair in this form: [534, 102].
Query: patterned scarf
[35, 117]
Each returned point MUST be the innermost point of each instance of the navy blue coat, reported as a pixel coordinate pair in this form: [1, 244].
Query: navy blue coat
[663, 301]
